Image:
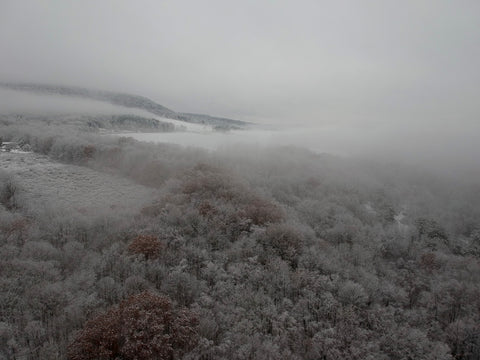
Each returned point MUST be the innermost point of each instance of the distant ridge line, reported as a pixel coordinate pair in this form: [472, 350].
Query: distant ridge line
[125, 100]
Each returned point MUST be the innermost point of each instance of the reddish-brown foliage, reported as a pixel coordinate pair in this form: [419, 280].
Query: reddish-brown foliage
[112, 157]
[145, 326]
[147, 245]
[261, 212]
[207, 184]
[19, 226]
[89, 151]
[428, 261]
[207, 209]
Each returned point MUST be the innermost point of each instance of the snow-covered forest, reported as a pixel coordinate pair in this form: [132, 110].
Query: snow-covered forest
[113, 248]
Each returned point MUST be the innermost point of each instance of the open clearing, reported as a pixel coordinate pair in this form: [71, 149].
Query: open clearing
[69, 187]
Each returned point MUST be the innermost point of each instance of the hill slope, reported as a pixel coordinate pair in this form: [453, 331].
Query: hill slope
[125, 100]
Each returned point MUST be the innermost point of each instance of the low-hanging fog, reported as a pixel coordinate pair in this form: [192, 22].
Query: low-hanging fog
[375, 77]
[446, 147]
[291, 180]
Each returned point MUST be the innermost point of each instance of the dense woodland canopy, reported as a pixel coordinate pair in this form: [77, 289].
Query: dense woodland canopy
[260, 253]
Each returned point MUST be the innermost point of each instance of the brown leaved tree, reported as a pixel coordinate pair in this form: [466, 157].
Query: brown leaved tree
[146, 245]
[144, 326]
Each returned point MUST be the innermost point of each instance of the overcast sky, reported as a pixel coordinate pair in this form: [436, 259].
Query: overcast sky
[353, 63]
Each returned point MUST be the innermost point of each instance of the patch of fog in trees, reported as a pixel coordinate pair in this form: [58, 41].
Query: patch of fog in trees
[320, 140]
[447, 152]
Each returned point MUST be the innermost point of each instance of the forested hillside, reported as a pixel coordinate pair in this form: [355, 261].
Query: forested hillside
[247, 253]
[124, 100]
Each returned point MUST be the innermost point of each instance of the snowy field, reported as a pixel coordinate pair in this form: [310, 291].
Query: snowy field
[72, 188]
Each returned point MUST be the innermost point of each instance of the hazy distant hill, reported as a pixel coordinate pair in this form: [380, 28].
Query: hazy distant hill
[217, 122]
[126, 100]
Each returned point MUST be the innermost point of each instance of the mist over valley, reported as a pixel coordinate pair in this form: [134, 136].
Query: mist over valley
[250, 180]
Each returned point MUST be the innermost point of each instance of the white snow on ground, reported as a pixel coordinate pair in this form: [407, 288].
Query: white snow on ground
[73, 188]
[12, 147]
